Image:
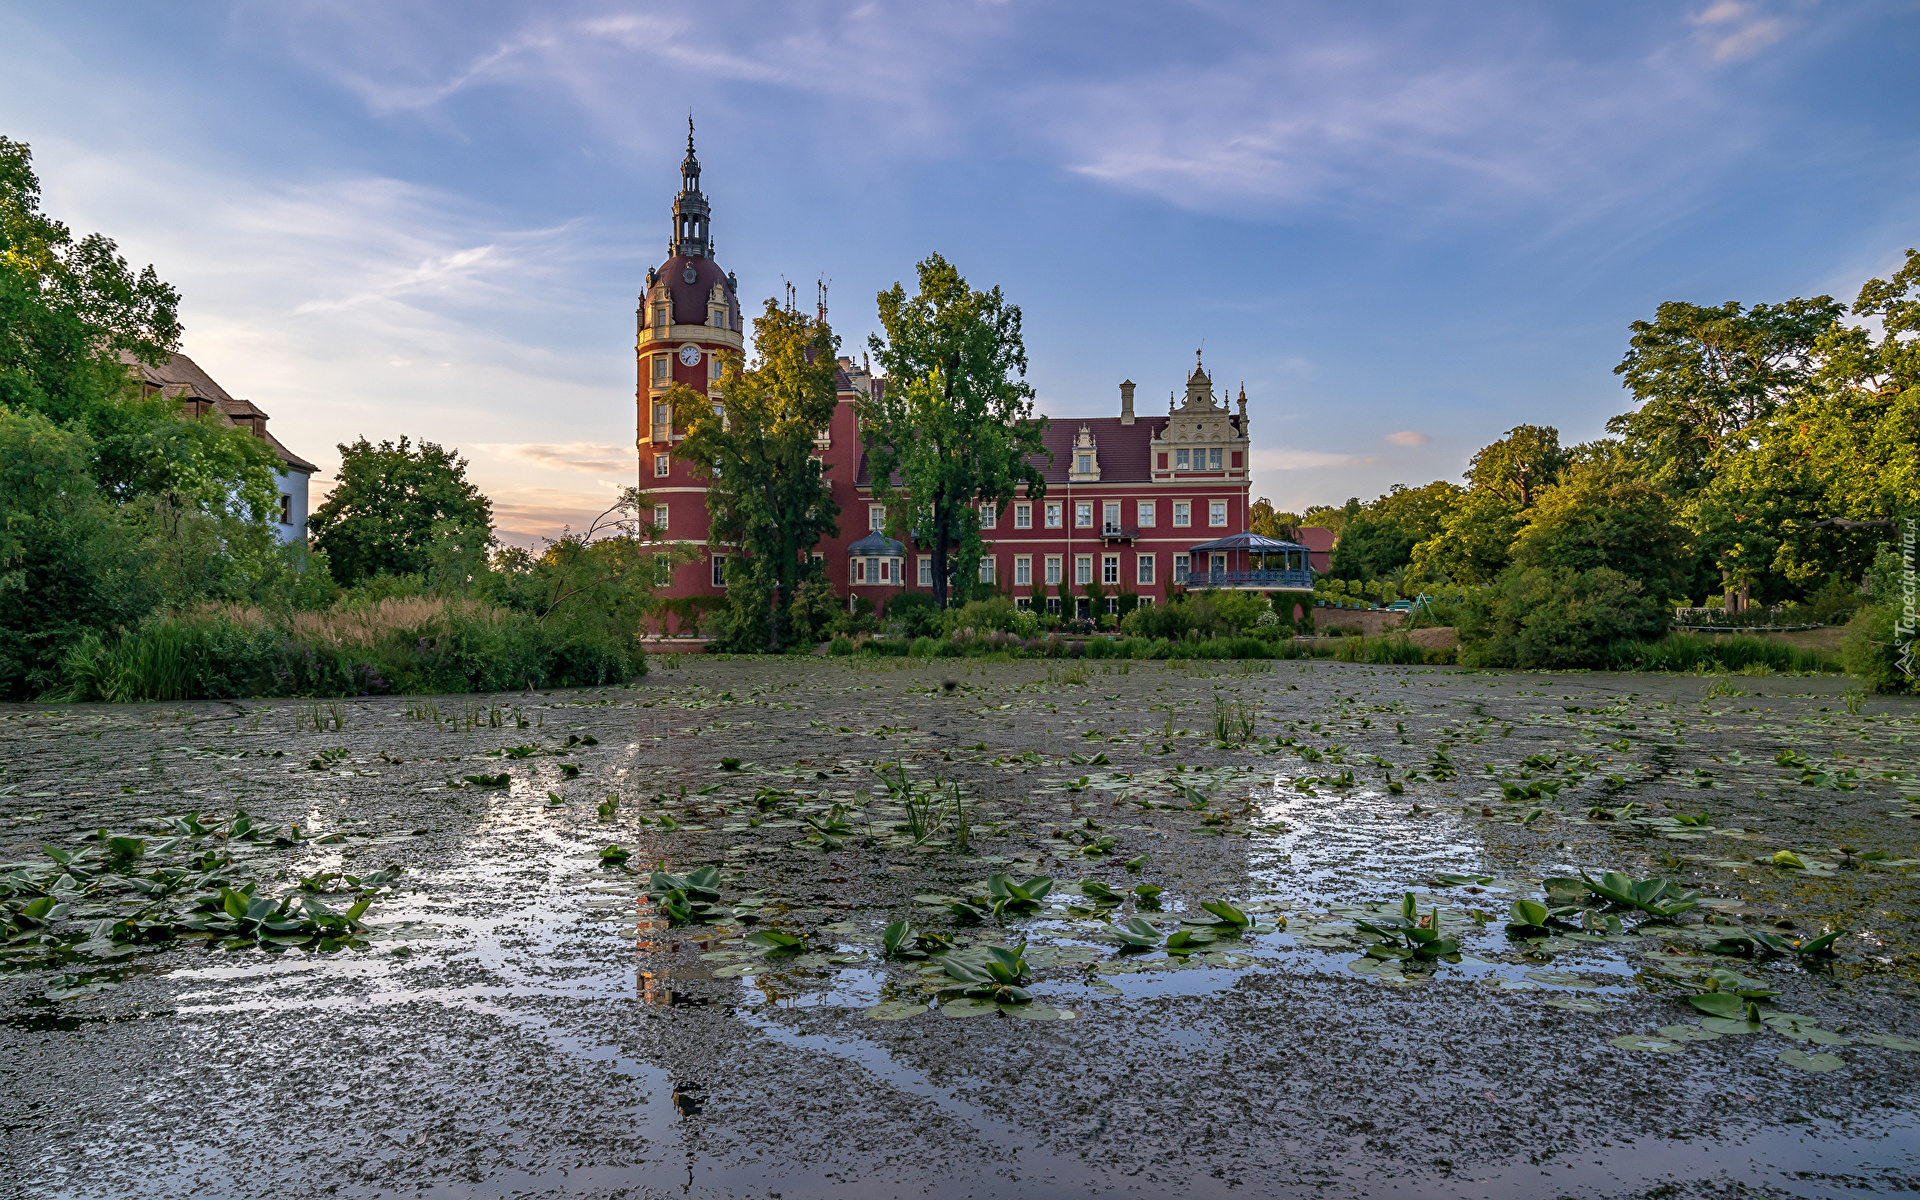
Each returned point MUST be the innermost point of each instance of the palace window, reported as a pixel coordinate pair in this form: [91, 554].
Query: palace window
[1083, 516]
[1086, 464]
[1182, 514]
[1053, 516]
[662, 466]
[660, 518]
[926, 571]
[1213, 459]
[1053, 570]
[1146, 568]
[659, 369]
[1110, 568]
[987, 516]
[1110, 513]
[1023, 516]
[1083, 569]
[876, 516]
[713, 366]
[720, 570]
[1023, 569]
[987, 573]
[1180, 569]
[1147, 509]
[1180, 460]
[1053, 605]
[1217, 513]
[1023, 603]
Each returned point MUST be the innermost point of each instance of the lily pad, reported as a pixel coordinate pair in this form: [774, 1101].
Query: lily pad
[968, 1008]
[897, 1010]
[1687, 1033]
[1561, 979]
[1576, 1004]
[736, 970]
[1888, 1041]
[1646, 1043]
[1729, 1025]
[1039, 1012]
[1801, 1060]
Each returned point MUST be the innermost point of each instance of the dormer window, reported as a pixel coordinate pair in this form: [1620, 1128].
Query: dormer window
[1213, 459]
[1086, 464]
[1180, 461]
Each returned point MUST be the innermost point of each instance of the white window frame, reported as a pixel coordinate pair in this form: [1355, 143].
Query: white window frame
[876, 517]
[662, 466]
[1217, 513]
[1055, 570]
[719, 570]
[1182, 514]
[1082, 570]
[1083, 464]
[1182, 568]
[661, 370]
[1023, 603]
[989, 569]
[1053, 515]
[988, 516]
[1145, 513]
[1181, 460]
[1145, 570]
[1146, 602]
[1110, 570]
[1213, 459]
[1110, 514]
[1023, 516]
[660, 518]
[1023, 570]
[926, 570]
[1083, 514]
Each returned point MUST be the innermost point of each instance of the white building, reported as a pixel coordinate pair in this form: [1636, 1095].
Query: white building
[199, 395]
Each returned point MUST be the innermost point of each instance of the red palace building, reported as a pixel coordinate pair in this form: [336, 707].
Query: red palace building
[1133, 504]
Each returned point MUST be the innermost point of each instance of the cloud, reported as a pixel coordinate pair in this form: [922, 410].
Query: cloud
[1302, 460]
[1733, 30]
[1408, 437]
[598, 458]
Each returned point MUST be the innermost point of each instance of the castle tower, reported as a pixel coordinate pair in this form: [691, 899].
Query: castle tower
[687, 322]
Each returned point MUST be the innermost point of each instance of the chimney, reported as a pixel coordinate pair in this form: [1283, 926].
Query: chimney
[1126, 402]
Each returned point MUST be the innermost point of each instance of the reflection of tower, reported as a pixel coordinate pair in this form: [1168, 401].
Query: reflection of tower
[688, 323]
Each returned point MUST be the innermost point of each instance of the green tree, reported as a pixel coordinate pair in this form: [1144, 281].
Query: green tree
[1475, 544]
[1704, 374]
[767, 491]
[955, 420]
[1379, 539]
[1519, 464]
[66, 568]
[69, 309]
[1605, 516]
[1555, 617]
[1265, 521]
[395, 508]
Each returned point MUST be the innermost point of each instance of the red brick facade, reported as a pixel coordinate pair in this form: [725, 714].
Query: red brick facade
[1127, 498]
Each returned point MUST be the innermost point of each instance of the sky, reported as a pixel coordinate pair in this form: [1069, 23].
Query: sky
[1405, 226]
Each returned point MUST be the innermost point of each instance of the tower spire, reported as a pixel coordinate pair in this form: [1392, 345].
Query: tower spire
[692, 218]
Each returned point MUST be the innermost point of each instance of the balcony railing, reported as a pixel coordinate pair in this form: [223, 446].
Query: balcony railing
[1292, 581]
[1119, 533]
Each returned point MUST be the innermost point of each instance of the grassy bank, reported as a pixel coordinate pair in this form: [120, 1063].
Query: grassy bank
[415, 644]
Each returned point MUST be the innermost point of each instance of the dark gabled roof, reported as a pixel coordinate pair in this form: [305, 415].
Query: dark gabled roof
[1126, 451]
[182, 379]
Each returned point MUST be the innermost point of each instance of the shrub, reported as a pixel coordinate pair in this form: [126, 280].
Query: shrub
[1555, 617]
[1379, 650]
[914, 613]
[995, 613]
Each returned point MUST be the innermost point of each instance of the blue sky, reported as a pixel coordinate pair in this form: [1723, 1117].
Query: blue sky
[1405, 226]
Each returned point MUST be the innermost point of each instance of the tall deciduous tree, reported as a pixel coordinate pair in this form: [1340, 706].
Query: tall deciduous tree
[1705, 374]
[1519, 464]
[398, 509]
[768, 493]
[955, 420]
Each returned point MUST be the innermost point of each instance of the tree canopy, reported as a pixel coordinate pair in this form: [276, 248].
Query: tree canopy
[955, 421]
[755, 435]
[396, 507]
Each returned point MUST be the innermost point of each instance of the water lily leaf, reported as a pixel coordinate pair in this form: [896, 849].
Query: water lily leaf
[1647, 1044]
[735, 970]
[897, 1010]
[1577, 1004]
[968, 1008]
[1729, 1025]
[1889, 1041]
[1039, 1012]
[1812, 1062]
[1719, 1004]
[1561, 979]
[1687, 1033]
